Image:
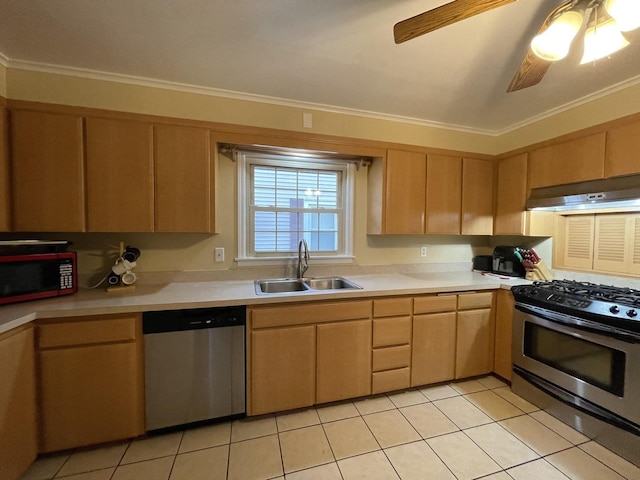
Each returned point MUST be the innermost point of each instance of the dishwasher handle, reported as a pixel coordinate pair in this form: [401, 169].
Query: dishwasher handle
[193, 319]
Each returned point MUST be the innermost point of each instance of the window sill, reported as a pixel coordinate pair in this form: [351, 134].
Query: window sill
[273, 261]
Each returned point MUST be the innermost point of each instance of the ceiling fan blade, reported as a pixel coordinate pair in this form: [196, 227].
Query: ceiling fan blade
[533, 68]
[442, 16]
[531, 71]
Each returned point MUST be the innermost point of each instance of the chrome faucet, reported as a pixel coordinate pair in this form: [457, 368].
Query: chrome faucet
[302, 244]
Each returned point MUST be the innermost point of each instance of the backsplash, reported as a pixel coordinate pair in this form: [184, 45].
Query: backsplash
[254, 273]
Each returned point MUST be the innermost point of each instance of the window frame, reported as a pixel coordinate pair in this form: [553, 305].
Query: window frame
[246, 158]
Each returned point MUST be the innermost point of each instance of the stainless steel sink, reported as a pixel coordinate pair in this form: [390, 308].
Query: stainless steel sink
[330, 283]
[280, 285]
[295, 285]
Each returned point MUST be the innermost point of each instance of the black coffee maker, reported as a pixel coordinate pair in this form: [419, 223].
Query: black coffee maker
[505, 262]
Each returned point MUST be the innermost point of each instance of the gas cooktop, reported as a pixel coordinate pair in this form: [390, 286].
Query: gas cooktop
[618, 306]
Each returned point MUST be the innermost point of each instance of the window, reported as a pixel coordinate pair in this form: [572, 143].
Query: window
[283, 199]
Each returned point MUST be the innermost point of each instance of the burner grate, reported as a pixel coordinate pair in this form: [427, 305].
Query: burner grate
[592, 291]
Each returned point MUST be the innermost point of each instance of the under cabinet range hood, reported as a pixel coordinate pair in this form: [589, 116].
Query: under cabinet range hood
[608, 193]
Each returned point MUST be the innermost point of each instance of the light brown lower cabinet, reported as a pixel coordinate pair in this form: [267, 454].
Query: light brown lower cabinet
[18, 429]
[434, 339]
[434, 348]
[283, 369]
[391, 342]
[90, 380]
[502, 363]
[475, 335]
[343, 360]
[307, 353]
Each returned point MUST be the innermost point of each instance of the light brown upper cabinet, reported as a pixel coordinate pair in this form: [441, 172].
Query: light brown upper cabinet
[396, 193]
[47, 172]
[623, 145]
[5, 186]
[477, 196]
[183, 179]
[444, 194]
[568, 162]
[511, 195]
[119, 175]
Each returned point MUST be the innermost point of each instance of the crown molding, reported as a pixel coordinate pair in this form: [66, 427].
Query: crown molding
[218, 92]
[235, 95]
[631, 82]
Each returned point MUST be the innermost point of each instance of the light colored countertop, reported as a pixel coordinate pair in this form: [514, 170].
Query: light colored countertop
[180, 295]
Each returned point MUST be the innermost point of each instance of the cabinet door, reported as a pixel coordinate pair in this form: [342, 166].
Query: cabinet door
[511, 195]
[183, 179]
[434, 348]
[444, 194]
[623, 145]
[5, 186]
[89, 395]
[474, 346]
[48, 172]
[18, 431]
[344, 360]
[568, 162]
[119, 176]
[283, 369]
[477, 196]
[405, 192]
[504, 327]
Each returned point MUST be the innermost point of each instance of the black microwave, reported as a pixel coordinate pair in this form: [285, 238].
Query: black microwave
[34, 271]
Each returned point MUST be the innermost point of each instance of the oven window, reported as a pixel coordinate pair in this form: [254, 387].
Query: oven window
[591, 362]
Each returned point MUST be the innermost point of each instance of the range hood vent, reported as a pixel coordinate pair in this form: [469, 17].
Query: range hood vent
[608, 193]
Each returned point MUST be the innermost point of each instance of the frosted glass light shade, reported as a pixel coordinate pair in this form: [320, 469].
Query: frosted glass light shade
[625, 12]
[602, 40]
[553, 44]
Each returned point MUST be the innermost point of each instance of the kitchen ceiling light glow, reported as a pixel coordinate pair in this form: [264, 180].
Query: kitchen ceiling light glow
[553, 44]
[625, 12]
[603, 36]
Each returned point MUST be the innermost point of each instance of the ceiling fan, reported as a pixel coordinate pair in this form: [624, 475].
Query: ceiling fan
[554, 36]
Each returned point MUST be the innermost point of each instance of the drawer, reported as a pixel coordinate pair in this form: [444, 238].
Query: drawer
[389, 307]
[390, 380]
[470, 301]
[391, 357]
[435, 304]
[307, 313]
[391, 331]
[71, 332]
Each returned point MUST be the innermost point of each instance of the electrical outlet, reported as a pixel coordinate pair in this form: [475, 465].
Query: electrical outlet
[219, 254]
[307, 120]
[423, 251]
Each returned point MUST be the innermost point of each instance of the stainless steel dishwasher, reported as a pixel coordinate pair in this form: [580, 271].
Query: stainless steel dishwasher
[194, 366]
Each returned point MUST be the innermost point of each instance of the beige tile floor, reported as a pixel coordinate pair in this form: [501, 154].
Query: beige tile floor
[464, 430]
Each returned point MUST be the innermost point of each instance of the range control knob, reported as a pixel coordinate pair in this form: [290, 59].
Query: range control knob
[632, 313]
[614, 309]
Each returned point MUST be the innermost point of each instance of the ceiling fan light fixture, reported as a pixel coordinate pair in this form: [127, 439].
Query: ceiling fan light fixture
[553, 44]
[602, 39]
[625, 12]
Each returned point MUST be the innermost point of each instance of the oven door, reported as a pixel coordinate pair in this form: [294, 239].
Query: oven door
[594, 371]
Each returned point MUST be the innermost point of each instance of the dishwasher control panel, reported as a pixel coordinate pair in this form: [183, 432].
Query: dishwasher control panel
[193, 319]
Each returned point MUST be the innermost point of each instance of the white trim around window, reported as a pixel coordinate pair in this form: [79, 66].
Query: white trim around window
[342, 211]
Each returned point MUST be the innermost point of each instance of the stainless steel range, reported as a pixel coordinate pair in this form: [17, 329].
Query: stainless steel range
[576, 354]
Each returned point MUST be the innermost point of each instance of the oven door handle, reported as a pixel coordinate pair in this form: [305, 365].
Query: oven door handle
[576, 401]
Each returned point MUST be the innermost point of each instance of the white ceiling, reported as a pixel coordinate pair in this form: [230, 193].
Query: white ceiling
[336, 54]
